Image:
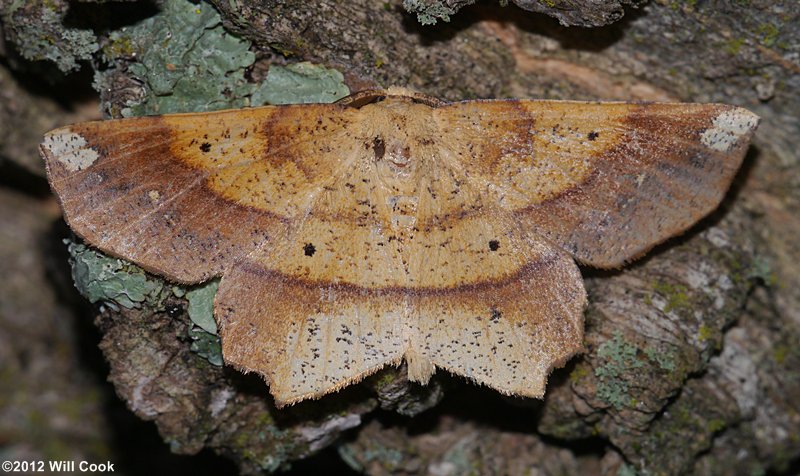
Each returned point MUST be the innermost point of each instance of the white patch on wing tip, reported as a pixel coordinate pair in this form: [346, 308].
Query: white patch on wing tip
[727, 128]
[71, 150]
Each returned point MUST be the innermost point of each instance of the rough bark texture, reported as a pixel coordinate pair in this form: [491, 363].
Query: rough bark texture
[48, 402]
[26, 116]
[197, 404]
[567, 12]
[692, 353]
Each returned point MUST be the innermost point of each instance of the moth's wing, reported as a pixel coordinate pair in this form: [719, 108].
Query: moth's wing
[309, 339]
[497, 305]
[185, 195]
[466, 289]
[606, 181]
[325, 306]
[306, 339]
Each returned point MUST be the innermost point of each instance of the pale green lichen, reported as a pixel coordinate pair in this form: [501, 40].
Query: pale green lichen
[428, 12]
[206, 345]
[203, 331]
[626, 470]
[179, 291]
[664, 359]
[300, 83]
[119, 45]
[761, 270]
[350, 458]
[42, 36]
[111, 280]
[116, 282]
[201, 306]
[187, 61]
[619, 358]
[389, 459]
[269, 447]
[461, 457]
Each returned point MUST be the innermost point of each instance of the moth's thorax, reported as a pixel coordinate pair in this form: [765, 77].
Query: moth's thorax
[400, 141]
[401, 144]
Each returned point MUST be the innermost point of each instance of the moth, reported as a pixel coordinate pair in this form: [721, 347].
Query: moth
[394, 226]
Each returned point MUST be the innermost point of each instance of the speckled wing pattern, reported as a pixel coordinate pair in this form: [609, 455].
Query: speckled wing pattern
[393, 226]
[605, 181]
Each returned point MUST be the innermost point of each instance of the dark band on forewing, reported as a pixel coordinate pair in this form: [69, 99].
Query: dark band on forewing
[656, 182]
[178, 227]
[289, 126]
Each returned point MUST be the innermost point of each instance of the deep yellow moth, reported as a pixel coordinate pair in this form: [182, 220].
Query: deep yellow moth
[392, 225]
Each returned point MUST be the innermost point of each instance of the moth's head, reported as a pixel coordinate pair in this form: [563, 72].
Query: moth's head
[393, 155]
[396, 157]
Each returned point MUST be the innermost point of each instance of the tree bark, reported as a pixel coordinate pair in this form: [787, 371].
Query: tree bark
[692, 356]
